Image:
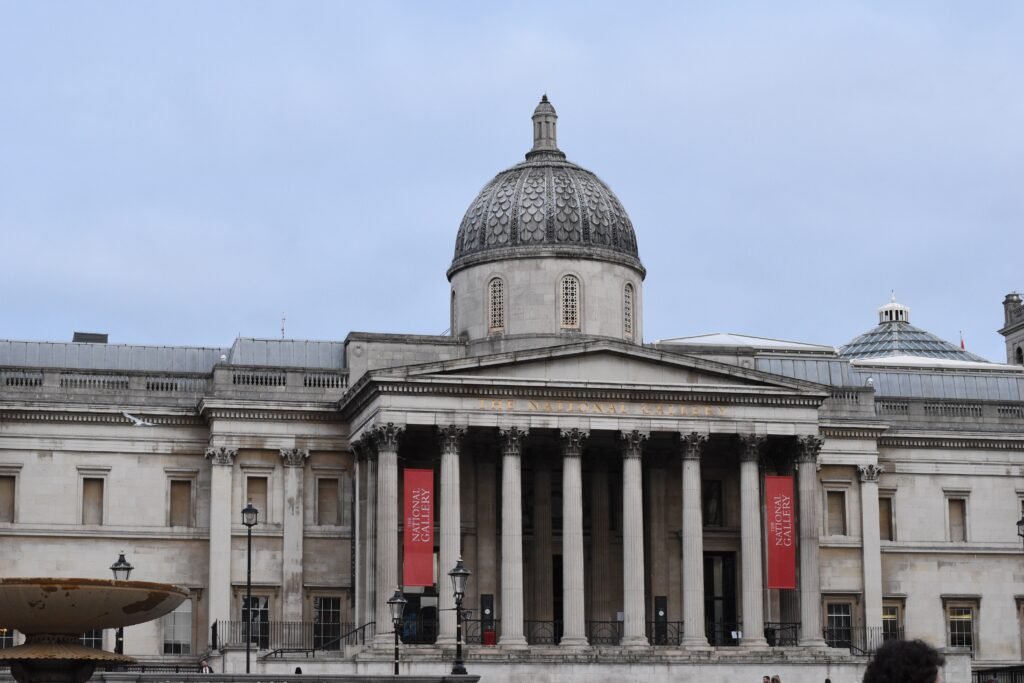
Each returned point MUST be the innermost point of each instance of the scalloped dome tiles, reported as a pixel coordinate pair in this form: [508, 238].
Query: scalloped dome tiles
[545, 206]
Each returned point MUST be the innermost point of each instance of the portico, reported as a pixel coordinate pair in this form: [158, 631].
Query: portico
[602, 489]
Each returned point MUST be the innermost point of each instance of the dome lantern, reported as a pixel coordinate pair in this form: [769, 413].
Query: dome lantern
[545, 137]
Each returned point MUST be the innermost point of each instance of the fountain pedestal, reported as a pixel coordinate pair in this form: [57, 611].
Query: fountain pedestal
[53, 613]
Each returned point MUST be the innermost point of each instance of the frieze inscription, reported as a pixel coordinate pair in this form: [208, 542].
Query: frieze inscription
[602, 408]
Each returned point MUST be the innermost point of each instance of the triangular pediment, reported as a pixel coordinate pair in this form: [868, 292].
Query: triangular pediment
[602, 364]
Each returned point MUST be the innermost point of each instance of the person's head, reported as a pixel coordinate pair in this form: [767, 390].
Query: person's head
[776, 679]
[203, 662]
[766, 679]
[904, 661]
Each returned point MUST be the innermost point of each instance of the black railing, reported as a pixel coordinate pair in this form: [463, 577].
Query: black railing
[860, 640]
[481, 631]
[543, 632]
[1002, 674]
[151, 668]
[604, 632]
[665, 632]
[355, 636]
[782, 633]
[721, 633]
[297, 636]
[419, 630]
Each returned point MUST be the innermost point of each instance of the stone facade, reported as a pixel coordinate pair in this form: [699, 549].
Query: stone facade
[606, 493]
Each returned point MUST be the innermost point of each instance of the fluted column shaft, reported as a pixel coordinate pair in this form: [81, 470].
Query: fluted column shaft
[574, 628]
[370, 538]
[871, 548]
[221, 517]
[693, 543]
[634, 629]
[810, 579]
[386, 439]
[511, 540]
[451, 528]
[750, 533]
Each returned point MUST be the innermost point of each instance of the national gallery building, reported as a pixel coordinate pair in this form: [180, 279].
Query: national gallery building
[723, 505]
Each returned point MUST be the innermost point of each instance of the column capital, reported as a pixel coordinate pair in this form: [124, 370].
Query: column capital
[751, 447]
[386, 437]
[572, 441]
[869, 473]
[632, 443]
[451, 438]
[294, 457]
[221, 456]
[810, 447]
[362, 448]
[693, 445]
[512, 441]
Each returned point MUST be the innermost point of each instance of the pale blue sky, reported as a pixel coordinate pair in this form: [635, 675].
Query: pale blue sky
[182, 172]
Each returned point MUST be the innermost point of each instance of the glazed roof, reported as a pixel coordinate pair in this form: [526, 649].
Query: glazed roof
[545, 206]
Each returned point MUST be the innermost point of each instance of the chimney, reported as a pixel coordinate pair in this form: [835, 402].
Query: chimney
[90, 338]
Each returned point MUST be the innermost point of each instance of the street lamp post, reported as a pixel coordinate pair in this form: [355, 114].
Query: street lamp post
[459, 576]
[122, 570]
[250, 515]
[396, 603]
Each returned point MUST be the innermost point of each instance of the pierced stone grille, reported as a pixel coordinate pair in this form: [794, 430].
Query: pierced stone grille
[570, 303]
[627, 312]
[496, 317]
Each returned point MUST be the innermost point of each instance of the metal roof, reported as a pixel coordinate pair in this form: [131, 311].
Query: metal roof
[897, 338]
[289, 353]
[746, 341]
[86, 356]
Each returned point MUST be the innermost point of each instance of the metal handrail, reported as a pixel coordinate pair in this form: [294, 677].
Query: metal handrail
[327, 646]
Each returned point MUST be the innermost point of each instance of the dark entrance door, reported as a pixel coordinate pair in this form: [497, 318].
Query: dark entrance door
[720, 598]
[419, 624]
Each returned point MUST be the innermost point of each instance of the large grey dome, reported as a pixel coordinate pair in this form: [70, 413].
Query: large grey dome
[545, 206]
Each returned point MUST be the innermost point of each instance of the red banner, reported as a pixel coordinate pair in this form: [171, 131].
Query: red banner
[780, 532]
[418, 546]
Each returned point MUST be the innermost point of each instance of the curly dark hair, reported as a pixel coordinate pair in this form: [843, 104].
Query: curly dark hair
[904, 661]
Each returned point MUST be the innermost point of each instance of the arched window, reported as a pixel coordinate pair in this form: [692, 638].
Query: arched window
[570, 303]
[627, 311]
[496, 305]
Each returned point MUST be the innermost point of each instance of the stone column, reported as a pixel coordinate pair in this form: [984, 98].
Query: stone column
[511, 539]
[221, 516]
[574, 633]
[294, 461]
[810, 579]
[540, 605]
[693, 543]
[385, 438]
[635, 626]
[358, 473]
[451, 528]
[750, 533]
[369, 565]
[872, 551]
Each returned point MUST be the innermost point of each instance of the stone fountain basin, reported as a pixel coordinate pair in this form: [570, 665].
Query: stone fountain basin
[37, 606]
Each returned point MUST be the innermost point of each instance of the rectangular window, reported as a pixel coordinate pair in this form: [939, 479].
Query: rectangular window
[93, 639]
[181, 503]
[836, 513]
[6, 637]
[327, 502]
[177, 628]
[839, 624]
[92, 501]
[7, 499]
[957, 519]
[256, 493]
[259, 625]
[326, 623]
[960, 626]
[885, 531]
[892, 623]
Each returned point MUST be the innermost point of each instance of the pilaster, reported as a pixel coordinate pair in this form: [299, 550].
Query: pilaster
[871, 548]
[219, 581]
[294, 461]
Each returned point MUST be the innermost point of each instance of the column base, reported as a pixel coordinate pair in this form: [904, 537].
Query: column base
[812, 642]
[695, 644]
[383, 640]
[512, 643]
[445, 641]
[754, 643]
[635, 643]
[573, 643]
